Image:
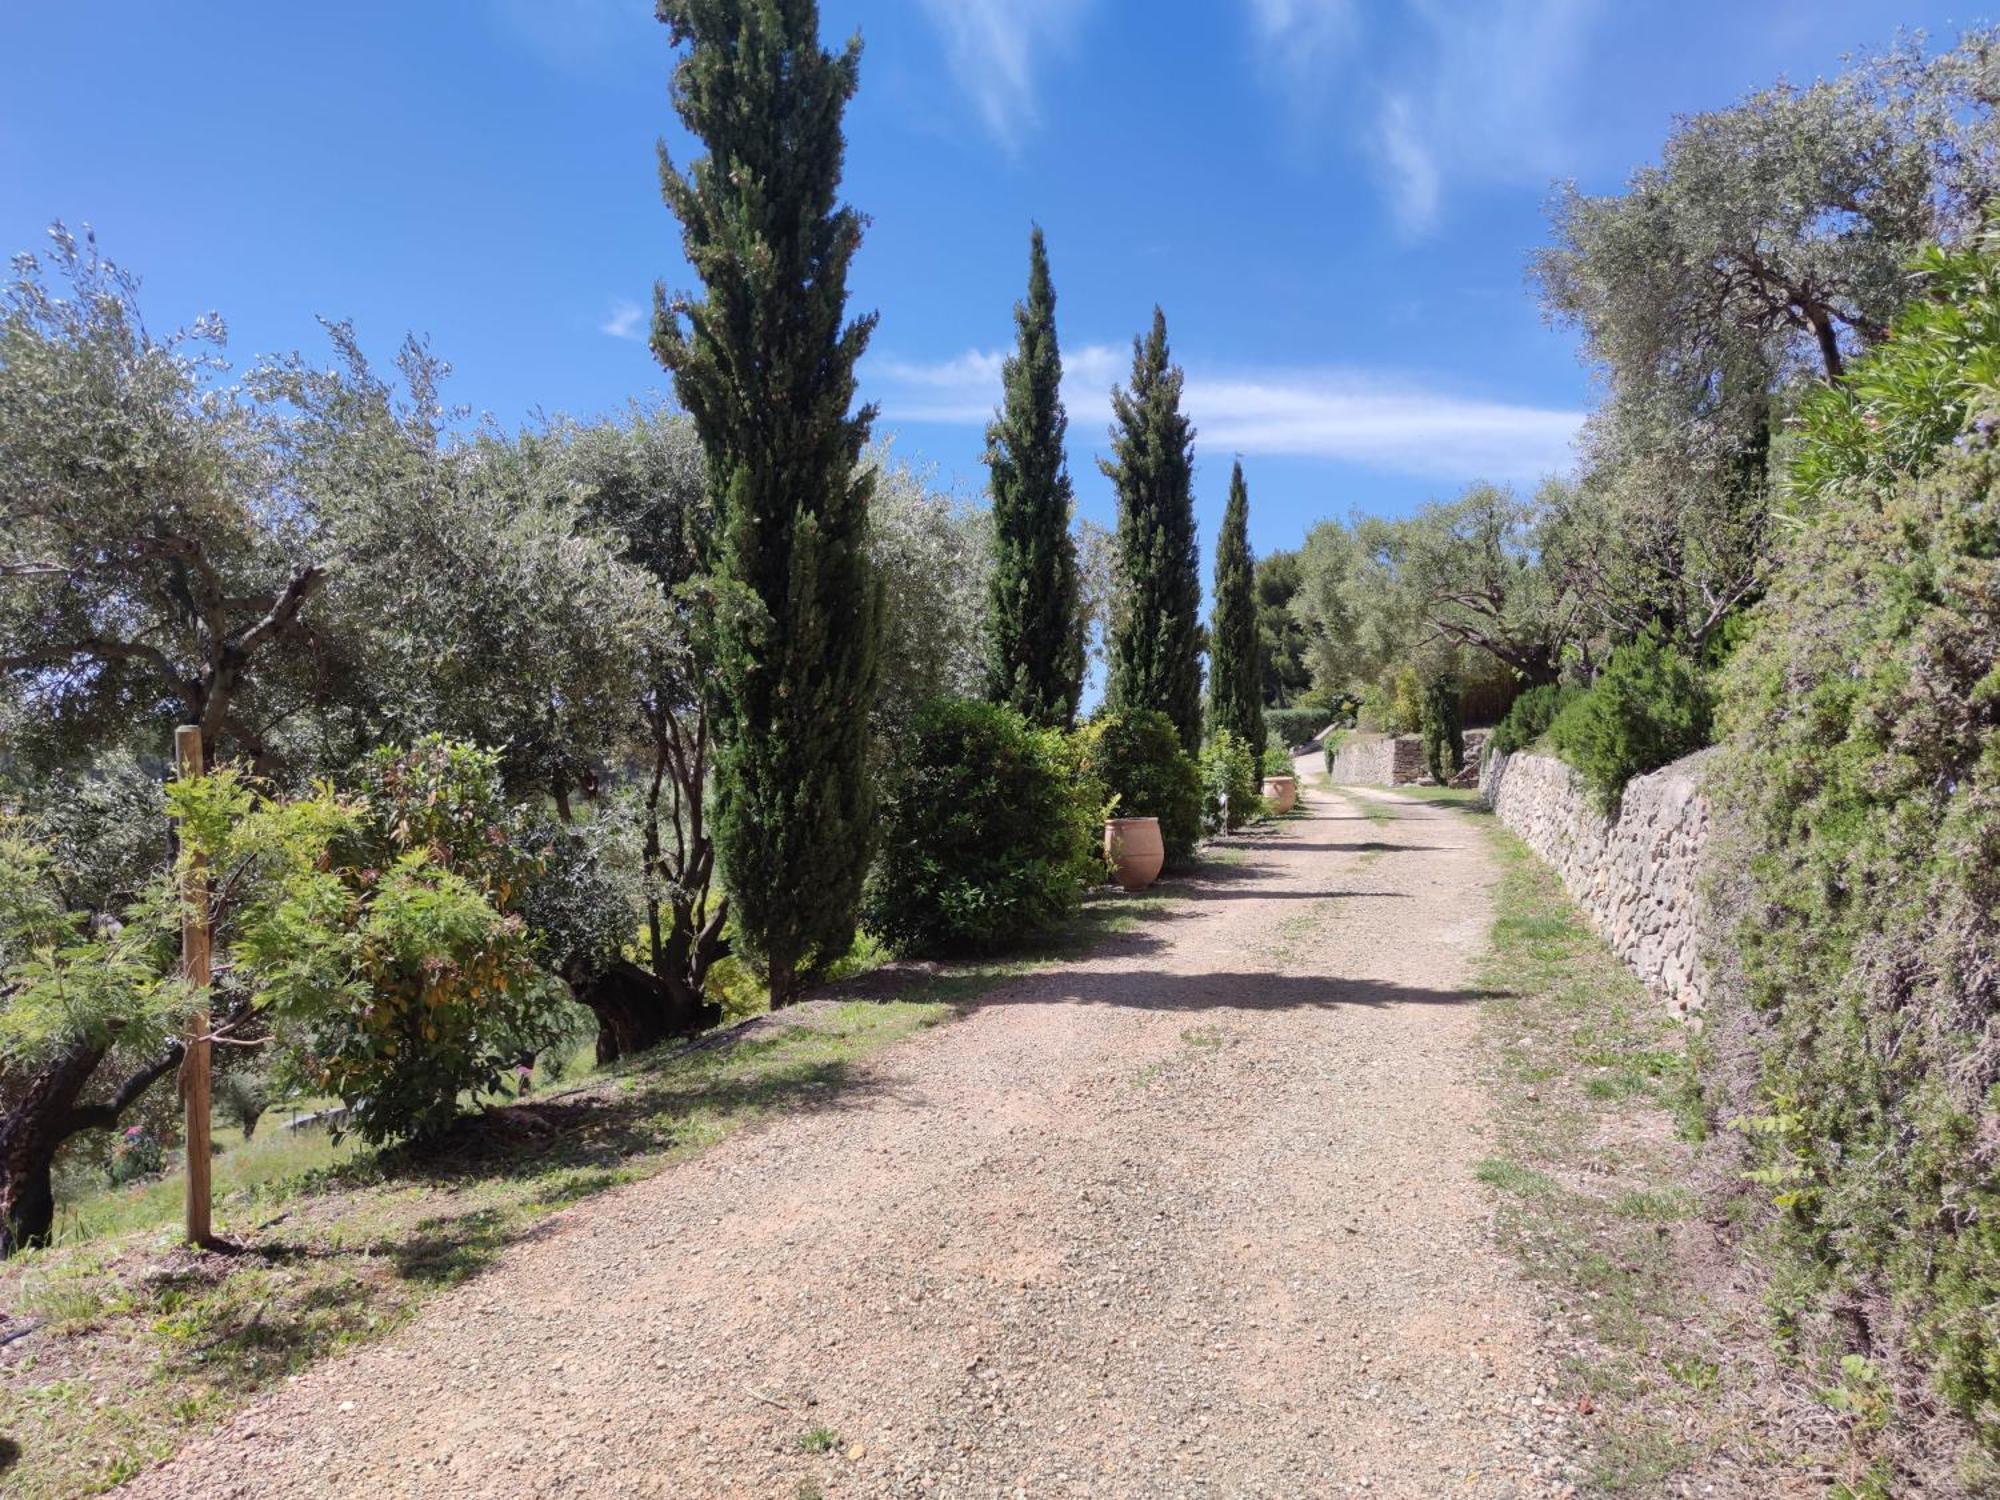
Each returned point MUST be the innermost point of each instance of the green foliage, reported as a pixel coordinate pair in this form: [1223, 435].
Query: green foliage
[1899, 409]
[144, 586]
[1229, 777]
[379, 931]
[1864, 760]
[1649, 706]
[990, 832]
[796, 644]
[241, 1095]
[1783, 221]
[1530, 715]
[1281, 635]
[1136, 755]
[1444, 735]
[1034, 627]
[1473, 587]
[1277, 761]
[1404, 712]
[1296, 726]
[1156, 636]
[1235, 685]
[931, 553]
[66, 984]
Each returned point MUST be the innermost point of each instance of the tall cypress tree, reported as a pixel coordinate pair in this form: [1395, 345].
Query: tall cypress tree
[1034, 633]
[1156, 645]
[765, 367]
[1235, 675]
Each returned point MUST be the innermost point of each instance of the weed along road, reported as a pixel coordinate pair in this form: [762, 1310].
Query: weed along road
[1192, 1214]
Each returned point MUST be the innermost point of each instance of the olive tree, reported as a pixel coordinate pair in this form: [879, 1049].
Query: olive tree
[153, 570]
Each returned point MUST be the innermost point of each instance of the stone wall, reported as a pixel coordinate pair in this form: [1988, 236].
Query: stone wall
[1637, 877]
[1367, 759]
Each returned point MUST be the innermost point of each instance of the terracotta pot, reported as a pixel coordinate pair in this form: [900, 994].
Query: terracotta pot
[1281, 792]
[1133, 846]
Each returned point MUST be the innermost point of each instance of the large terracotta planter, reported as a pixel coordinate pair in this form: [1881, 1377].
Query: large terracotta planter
[1282, 792]
[1133, 846]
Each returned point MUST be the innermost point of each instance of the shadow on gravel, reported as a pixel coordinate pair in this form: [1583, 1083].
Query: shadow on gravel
[1257, 895]
[1222, 991]
[1367, 846]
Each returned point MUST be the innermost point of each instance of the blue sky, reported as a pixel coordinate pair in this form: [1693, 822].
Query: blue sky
[1332, 199]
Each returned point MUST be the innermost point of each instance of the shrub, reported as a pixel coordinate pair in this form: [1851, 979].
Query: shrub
[1228, 771]
[380, 931]
[136, 1154]
[1405, 708]
[989, 835]
[1277, 761]
[1530, 716]
[1444, 735]
[1863, 760]
[1295, 726]
[1649, 706]
[1136, 754]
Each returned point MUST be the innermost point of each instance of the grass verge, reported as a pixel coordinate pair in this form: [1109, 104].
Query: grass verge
[1665, 1351]
[138, 1343]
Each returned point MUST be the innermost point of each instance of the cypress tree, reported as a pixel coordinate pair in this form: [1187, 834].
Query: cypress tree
[1034, 633]
[1156, 644]
[765, 367]
[1235, 675]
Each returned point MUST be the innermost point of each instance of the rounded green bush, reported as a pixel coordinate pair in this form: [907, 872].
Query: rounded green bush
[990, 832]
[1137, 756]
[1649, 706]
[1530, 716]
[1229, 770]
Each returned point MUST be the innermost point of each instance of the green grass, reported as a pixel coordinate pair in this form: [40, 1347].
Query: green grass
[1590, 1169]
[1512, 1177]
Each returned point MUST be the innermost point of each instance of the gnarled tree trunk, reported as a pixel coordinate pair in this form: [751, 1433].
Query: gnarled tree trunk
[636, 1009]
[43, 1114]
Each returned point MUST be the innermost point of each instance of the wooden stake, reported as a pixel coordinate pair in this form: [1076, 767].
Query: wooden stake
[195, 969]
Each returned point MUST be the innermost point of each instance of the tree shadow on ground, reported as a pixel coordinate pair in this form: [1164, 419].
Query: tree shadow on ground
[1221, 990]
[1366, 846]
[1258, 895]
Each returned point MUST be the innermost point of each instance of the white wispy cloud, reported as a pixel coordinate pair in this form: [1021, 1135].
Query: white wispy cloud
[1409, 167]
[1300, 43]
[1353, 416]
[994, 49]
[627, 321]
[1446, 92]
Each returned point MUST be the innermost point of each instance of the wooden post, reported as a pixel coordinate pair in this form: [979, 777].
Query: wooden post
[195, 969]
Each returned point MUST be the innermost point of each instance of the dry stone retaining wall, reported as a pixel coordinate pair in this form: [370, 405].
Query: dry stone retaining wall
[1637, 877]
[1396, 760]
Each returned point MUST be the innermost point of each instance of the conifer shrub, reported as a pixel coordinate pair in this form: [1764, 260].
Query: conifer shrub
[991, 832]
[1444, 734]
[1650, 705]
[1136, 754]
[1530, 716]
[1229, 780]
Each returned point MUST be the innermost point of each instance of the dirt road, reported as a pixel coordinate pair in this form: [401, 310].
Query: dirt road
[1193, 1216]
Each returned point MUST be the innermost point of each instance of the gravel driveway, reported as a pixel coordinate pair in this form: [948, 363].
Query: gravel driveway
[1193, 1216]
